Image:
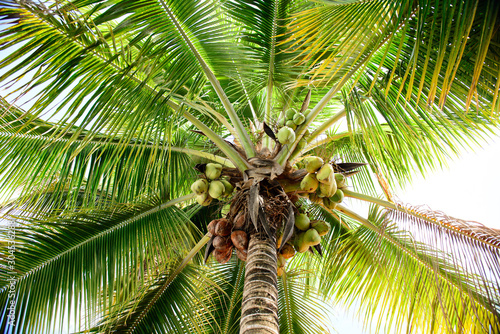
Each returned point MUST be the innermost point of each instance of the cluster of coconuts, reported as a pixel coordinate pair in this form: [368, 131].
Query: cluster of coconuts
[211, 185]
[322, 184]
[307, 234]
[229, 236]
[288, 124]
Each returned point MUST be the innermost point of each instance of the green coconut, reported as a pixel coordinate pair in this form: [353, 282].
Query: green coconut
[225, 210]
[199, 186]
[321, 227]
[340, 180]
[338, 197]
[327, 202]
[302, 221]
[291, 125]
[325, 174]
[299, 244]
[228, 187]
[313, 164]
[286, 135]
[328, 189]
[309, 183]
[311, 237]
[213, 171]
[216, 189]
[289, 114]
[281, 122]
[204, 199]
[299, 118]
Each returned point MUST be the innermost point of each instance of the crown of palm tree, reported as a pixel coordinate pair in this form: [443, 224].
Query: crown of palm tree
[112, 109]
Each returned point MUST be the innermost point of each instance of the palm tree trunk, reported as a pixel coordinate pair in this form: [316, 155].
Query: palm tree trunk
[259, 309]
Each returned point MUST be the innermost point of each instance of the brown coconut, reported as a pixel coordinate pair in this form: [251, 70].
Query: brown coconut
[287, 251]
[223, 227]
[241, 254]
[239, 239]
[239, 221]
[222, 256]
[221, 242]
[212, 226]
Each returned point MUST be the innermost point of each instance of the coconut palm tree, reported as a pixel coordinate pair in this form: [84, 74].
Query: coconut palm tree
[135, 134]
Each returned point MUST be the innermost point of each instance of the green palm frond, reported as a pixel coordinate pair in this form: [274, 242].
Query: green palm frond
[90, 256]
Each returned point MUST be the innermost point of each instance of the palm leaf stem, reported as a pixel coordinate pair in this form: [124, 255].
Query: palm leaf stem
[113, 228]
[325, 125]
[380, 231]
[240, 129]
[433, 221]
[172, 276]
[189, 151]
[326, 140]
[233, 303]
[269, 88]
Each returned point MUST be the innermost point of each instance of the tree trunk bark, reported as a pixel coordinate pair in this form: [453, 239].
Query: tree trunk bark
[259, 308]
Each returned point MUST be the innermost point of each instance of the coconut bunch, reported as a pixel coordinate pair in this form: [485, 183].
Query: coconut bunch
[322, 184]
[227, 236]
[287, 126]
[211, 185]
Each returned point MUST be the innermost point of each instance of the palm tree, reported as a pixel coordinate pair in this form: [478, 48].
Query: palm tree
[113, 111]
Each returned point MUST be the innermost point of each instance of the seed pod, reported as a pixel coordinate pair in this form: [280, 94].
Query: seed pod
[327, 202]
[213, 171]
[338, 197]
[216, 189]
[289, 114]
[212, 226]
[313, 164]
[204, 199]
[321, 227]
[223, 228]
[228, 187]
[325, 174]
[222, 256]
[311, 237]
[239, 221]
[239, 239]
[199, 186]
[299, 118]
[302, 222]
[222, 242]
[309, 183]
[242, 254]
[328, 189]
[286, 135]
[287, 251]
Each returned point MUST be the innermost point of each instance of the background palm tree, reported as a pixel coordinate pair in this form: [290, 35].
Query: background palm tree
[117, 101]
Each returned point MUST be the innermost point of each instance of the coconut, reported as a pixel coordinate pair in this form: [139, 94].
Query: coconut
[211, 227]
[286, 135]
[313, 197]
[327, 202]
[239, 239]
[280, 271]
[223, 227]
[338, 197]
[290, 113]
[228, 187]
[222, 256]
[222, 242]
[213, 171]
[321, 227]
[239, 221]
[204, 199]
[241, 254]
[281, 261]
[281, 122]
[299, 118]
[291, 125]
[313, 164]
[311, 237]
[302, 222]
[299, 244]
[199, 186]
[287, 251]
[216, 189]
[340, 180]
[309, 183]
[328, 189]
[325, 174]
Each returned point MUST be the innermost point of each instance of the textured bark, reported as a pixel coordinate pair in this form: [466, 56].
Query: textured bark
[259, 309]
